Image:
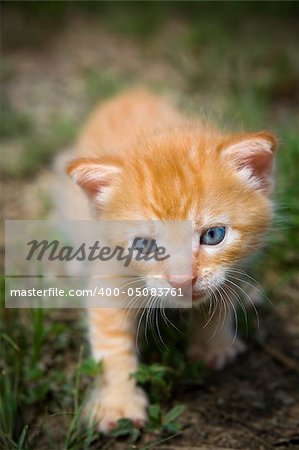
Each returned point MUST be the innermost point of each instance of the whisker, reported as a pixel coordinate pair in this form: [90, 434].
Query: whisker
[225, 306]
[250, 300]
[139, 324]
[151, 302]
[214, 300]
[157, 324]
[239, 300]
[235, 320]
[219, 317]
[166, 319]
[258, 285]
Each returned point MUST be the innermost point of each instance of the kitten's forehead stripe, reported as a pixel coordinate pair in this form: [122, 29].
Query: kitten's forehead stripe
[175, 169]
[171, 179]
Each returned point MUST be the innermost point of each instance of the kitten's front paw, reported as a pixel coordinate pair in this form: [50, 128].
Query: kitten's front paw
[108, 405]
[216, 354]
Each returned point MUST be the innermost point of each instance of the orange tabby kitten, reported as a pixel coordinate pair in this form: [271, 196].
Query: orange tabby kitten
[138, 158]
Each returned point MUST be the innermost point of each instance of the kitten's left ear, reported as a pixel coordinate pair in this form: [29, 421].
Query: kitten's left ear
[253, 158]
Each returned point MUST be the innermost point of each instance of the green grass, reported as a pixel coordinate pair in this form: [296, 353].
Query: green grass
[15, 124]
[102, 84]
[32, 151]
[31, 382]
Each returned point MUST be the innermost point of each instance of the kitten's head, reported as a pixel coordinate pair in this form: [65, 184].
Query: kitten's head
[221, 183]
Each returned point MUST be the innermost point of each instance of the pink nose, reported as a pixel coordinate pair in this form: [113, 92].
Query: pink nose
[180, 281]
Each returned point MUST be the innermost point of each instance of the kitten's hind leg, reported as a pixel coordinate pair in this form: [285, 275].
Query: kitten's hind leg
[212, 339]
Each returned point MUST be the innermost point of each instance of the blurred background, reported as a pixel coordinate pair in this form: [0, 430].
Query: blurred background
[235, 62]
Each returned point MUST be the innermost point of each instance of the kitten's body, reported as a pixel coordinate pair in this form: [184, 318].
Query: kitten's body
[138, 158]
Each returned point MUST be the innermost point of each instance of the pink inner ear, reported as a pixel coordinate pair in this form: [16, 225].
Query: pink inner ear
[254, 153]
[92, 186]
[261, 164]
[93, 175]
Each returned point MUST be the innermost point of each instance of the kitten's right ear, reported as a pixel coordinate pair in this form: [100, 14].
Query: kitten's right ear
[95, 176]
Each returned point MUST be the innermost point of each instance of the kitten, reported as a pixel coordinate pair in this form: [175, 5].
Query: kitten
[139, 158]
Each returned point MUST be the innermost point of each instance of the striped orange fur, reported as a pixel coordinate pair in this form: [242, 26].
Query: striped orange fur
[139, 158]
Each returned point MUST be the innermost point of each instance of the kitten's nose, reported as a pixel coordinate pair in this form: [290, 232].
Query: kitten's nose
[178, 281]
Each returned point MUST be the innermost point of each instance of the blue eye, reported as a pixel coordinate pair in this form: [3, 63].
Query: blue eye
[145, 245]
[213, 236]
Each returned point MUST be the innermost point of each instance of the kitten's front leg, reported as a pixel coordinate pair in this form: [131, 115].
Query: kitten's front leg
[212, 339]
[116, 396]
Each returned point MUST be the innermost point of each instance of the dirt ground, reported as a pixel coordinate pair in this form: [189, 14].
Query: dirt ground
[253, 404]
